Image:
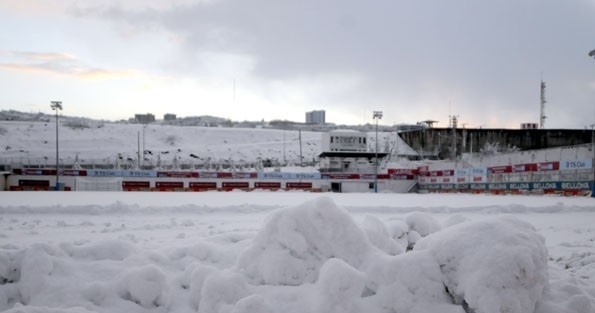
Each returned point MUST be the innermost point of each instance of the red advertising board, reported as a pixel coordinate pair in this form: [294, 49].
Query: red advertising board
[299, 185]
[500, 169]
[448, 172]
[267, 185]
[32, 182]
[548, 166]
[244, 175]
[403, 177]
[136, 184]
[344, 176]
[177, 174]
[402, 171]
[203, 185]
[235, 184]
[531, 167]
[169, 184]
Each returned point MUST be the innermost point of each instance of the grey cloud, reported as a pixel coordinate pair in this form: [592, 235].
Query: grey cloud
[486, 56]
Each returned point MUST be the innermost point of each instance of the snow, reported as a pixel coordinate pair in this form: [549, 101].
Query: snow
[295, 252]
[167, 146]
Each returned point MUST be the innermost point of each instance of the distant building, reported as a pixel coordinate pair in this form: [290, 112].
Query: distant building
[345, 140]
[169, 117]
[529, 126]
[316, 117]
[144, 118]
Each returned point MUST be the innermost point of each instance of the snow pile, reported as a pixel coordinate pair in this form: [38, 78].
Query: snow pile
[312, 257]
[296, 241]
[499, 265]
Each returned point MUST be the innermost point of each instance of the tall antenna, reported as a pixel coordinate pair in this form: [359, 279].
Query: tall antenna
[542, 111]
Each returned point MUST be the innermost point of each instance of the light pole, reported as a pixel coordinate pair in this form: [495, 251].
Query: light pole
[377, 115]
[592, 54]
[593, 162]
[57, 105]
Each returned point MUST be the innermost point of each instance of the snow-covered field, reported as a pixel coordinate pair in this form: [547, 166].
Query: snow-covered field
[295, 252]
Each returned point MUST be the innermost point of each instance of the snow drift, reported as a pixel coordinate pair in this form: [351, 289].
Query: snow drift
[308, 258]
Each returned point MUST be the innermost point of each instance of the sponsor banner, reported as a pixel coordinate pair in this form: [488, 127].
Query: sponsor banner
[36, 183]
[371, 176]
[169, 184]
[341, 176]
[402, 171]
[136, 184]
[33, 171]
[545, 185]
[519, 186]
[548, 166]
[435, 173]
[404, 177]
[447, 186]
[478, 186]
[121, 173]
[244, 175]
[105, 173]
[139, 173]
[267, 185]
[461, 179]
[282, 175]
[207, 174]
[462, 172]
[177, 174]
[499, 186]
[198, 184]
[576, 164]
[564, 186]
[576, 185]
[478, 179]
[519, 168]
[500, 169]
[298, 185]
[235, 184]
[447, 180]
[73, 172]
[478, 171]
[463, 186]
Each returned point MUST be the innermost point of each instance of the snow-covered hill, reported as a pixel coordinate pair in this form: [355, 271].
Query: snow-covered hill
[92, 142]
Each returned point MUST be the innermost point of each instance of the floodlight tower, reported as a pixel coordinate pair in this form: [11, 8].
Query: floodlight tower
[542, 110]
[592, 54]
[57, 105]
[377, 116]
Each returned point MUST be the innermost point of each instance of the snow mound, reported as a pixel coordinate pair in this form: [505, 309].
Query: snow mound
[379, 236]
[492, 266]
[146, 286]
[404, 282]
[339, 288]
[222, 291]
[420, 225]
[36, 267]
[296, 241]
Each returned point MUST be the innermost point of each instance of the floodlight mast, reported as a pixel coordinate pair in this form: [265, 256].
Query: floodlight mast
[592, 54]
[56, 106]
[377, 116]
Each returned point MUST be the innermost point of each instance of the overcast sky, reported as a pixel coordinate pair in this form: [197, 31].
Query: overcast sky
[276, 59]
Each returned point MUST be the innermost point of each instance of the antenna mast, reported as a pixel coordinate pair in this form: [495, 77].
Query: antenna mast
[542, 111]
